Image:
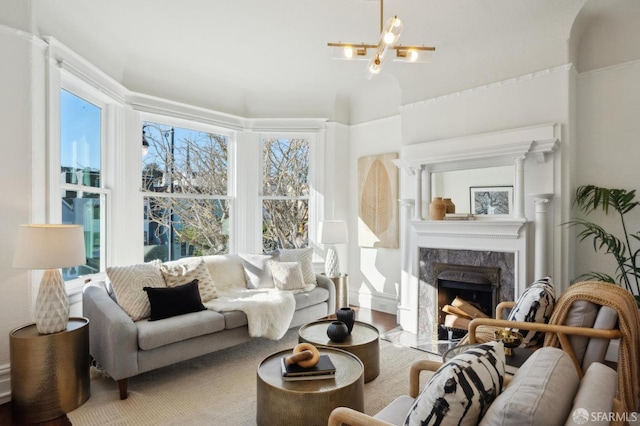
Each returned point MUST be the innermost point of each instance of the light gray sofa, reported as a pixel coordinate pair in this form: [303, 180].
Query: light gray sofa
[125, 348]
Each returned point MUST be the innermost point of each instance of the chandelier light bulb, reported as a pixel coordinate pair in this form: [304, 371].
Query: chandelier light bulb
[392, 30]
[348, 52]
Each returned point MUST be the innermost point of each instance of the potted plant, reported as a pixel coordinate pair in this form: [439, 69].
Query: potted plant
[590, 198]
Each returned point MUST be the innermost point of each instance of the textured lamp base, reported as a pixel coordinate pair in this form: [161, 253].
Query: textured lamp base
[52, 304]
[331, 265]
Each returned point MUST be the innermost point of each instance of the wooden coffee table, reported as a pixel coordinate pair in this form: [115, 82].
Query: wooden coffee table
[363, 342]
[308, 402]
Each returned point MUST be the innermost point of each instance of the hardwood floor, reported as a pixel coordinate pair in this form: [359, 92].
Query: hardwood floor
[382, 321]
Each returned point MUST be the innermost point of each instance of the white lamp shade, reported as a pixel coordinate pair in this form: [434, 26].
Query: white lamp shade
[49, 246]
[332, 232]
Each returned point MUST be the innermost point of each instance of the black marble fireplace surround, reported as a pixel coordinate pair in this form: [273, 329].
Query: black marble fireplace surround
[428, 316]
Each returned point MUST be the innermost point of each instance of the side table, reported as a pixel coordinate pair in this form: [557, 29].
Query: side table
[49, 372]
[341, 284]
[307, 402]
[363, 342]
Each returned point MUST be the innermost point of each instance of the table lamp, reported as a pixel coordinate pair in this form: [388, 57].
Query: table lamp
[332, 232]
[50, 247]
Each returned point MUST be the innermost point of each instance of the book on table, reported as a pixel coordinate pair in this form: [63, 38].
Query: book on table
[324, 369]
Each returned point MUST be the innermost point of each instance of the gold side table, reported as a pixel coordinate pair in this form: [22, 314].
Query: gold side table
[363, 342]
[341, 284]
[307, 402]
[49, 372]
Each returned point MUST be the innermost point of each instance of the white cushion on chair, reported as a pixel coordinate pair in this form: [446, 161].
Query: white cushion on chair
[597, 348]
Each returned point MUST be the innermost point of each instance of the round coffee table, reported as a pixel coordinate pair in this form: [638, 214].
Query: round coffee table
[308, 402]
[363, 342]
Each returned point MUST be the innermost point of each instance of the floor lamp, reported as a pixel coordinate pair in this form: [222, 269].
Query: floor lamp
[50, 247]
[332, 232]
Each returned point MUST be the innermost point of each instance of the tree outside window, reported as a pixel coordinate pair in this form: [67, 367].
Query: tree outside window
[285, 193]
[185, 179]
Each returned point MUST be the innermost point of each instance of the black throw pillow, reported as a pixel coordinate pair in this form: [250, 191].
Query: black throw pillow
[171, 301]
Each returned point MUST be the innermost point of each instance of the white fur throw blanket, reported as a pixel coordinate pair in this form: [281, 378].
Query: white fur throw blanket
[269, 311]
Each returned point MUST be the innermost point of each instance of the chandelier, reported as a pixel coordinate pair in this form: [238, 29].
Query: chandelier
[377, 53]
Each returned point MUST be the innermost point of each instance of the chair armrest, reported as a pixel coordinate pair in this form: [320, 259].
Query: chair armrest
[502, 306]
[326, 283]
[113, 336]
[562, 331]
[414, 374]
[348, 416]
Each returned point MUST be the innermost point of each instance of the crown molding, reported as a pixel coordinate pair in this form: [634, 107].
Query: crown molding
[526, 77]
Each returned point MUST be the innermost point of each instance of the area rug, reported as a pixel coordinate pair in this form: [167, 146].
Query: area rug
[220, 388]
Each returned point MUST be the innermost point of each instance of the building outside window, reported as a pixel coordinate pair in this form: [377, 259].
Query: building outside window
[186, 192]
[285, 193]
[83, 197]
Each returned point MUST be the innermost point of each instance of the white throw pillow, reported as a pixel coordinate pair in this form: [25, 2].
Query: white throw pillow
[256, 266]
[460, 391]
[184, 271]
[226, 271]
[304, 256]
[287, 275]
[128, 281]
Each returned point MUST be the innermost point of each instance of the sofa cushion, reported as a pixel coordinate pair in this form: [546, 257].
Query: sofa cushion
[305, 257]
[596, 351]
[462, 389]
[396, 412]
[226, 271]
[186, 270]
[256, 266]
[533, 396]
[287, 275]
[171, 301]
[595, 395]
[234, 319]
[154, 334]
[305, 299]
[582, 313]
[535, 305]
[128, 281]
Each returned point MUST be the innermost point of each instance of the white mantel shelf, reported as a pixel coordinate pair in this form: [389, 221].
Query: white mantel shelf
[478, 228]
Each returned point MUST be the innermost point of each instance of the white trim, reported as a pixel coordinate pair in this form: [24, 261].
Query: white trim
[66, 59]
[531, 76]
[630, 64]
[23, 35]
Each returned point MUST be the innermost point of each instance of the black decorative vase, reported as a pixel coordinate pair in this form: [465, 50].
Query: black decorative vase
[347, 316]
[337, 331]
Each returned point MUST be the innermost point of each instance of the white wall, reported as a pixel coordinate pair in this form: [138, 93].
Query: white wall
[23, 145]
[608, 140]
[374, 273]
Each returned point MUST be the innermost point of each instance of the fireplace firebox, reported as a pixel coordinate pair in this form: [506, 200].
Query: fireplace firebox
[477, 285]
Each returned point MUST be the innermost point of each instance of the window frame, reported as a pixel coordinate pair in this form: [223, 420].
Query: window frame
[172, 121]
[311, 138]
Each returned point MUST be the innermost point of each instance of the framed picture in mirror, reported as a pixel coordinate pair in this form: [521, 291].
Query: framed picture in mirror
[491, 200]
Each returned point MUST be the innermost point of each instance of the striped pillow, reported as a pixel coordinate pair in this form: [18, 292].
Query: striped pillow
[461, 391]
[535, 305]
[305, 257]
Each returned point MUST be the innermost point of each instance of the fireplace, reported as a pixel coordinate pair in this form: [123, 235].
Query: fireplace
[439, 269]
[477, 285]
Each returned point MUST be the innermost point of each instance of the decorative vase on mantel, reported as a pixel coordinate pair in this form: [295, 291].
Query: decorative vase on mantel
[437, 209]
[347, 316]
[449, 207]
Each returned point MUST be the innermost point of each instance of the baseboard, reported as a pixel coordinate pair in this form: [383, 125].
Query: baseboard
[377, 302]
[5, 383]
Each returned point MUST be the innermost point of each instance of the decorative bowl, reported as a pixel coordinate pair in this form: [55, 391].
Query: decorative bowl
[510, 339]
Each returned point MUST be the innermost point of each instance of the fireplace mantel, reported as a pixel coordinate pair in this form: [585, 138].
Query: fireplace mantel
[479, 228]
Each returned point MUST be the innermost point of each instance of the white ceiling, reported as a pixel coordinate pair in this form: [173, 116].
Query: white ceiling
[258, 58]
